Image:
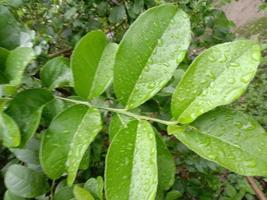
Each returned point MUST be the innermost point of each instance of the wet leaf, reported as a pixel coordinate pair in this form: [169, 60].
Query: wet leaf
[149, 53]
[67, 139]
[9, 131]
[229, 138]
[56, 73]
[25, 182]
[131, 167]
[26, 109]
[82, 194]
[166, 165]
[95, 187]
[16, 63]
[92, 64]
[217, 77]
[117, 123]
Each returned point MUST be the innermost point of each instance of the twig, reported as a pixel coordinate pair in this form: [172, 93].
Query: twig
[258, 192]
[64, 51]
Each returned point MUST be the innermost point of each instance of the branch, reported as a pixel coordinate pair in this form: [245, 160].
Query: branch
[258, 192]
[64, 51]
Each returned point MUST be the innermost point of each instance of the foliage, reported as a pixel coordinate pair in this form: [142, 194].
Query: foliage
[106, 111]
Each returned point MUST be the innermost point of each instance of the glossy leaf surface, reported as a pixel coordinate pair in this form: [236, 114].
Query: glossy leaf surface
[229, 138]
[25, 182]
[16, 62]
[149, 53]
[26, 109]
[67, 139]
[217, 77]
[92, 64]
[131, 167]
[117, 123]
[56, 73]
[9, 131]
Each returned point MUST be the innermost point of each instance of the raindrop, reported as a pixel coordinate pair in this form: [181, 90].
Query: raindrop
[233, 64]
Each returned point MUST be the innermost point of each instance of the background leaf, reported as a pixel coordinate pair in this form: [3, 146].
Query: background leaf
[92, 64]
[217, 77]
[82, 194]
[149, 53]
[229, 138]
[25, 182]
[95, 187]
[26, 109]
[131, 163]
[71, 132]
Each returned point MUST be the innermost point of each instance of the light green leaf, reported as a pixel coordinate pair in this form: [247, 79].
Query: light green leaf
[229, 138]
[95, 187]
[82, 194]
[117, 123]
[16, 62]
[9, 196]
[166, 165]
[26, 109]
[56, 73]
[131, 164]
[9, 131]
[64, 193]
[25, 182]
[92, 64]
[67, 139]
[149, 53]
[10, 29]
[217, 77]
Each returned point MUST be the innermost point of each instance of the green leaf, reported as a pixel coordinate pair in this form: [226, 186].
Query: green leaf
[26, 109]
[3, 56]
[16, 62]
[92, 64]
[173, 195]
[67, 139]
[64, 193]
[9, 131]
[149, 53]
[9, 196]
[82, 194]
[25, 182]
[95, 187]
[117, 123]
[117, 14]
[56, 73]
[166, 166]
[131, 163]
[10, 29]
[229, 138]
[217, 77]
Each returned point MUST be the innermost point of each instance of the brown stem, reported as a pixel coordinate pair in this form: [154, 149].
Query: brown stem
[64, 51]
[258, 192]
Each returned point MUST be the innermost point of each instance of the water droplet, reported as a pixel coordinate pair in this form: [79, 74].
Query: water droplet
[234, 64]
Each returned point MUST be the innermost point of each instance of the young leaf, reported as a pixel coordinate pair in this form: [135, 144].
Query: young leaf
[217, 77]
[92, 64]
[26, 109]
[16, 62]
[117, 123]
[9, 131]
[56, 73]
[166, 165]
[82, 194]
[25, 182]
[229, 138]
[149, 53]
[67, 139]
[95, 187]
[131, 163]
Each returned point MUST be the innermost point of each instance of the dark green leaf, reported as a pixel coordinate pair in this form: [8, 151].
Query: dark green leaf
[229, 138]
[64, 193]
[67, 139]
[25, 182]
[131, 163]
[92, 64]
[26, 109]
[117, 14]
[217, 77]
[149, 53]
